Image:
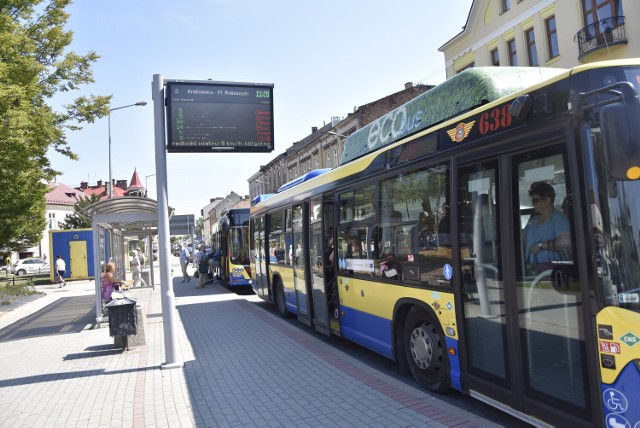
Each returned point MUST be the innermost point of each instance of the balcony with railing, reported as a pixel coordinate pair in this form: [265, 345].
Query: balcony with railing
[601, 34]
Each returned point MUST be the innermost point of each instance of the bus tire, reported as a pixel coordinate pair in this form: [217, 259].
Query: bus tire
[425, 351]
[281, 304]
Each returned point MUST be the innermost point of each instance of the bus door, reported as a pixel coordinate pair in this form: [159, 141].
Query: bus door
[522, 302]
[330, 281]
[259, 262]
[299, 251]
[317, 249]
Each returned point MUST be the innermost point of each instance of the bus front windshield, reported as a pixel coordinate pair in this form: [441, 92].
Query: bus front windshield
[615, 216]
[239, 245]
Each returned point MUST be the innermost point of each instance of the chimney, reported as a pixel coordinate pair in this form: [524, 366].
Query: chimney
[408, 85]
[122, 184]
[314, 129]
[99, 183]
[84, 185]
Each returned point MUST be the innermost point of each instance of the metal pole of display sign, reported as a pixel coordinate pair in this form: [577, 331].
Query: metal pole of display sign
[172, 359]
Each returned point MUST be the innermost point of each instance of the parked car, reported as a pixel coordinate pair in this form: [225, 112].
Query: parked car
[32, 265]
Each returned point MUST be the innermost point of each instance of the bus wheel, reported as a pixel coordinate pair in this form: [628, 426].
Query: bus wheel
[281, 302]
[425, 351]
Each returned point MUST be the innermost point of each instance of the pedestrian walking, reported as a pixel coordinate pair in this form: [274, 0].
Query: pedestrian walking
[184, 263]
[61, 268]
[136, 271]
[202, 266]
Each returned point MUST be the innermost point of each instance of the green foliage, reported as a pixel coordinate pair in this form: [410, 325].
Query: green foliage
[199, 226]
[34, 66]
[78, 220]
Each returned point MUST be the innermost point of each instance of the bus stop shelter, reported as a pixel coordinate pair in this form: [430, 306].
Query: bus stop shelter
[114, 221]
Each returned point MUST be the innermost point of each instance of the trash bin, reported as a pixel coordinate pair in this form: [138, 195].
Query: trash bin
[123, 320]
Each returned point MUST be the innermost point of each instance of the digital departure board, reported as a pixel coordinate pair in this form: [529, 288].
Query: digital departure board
[207, 117]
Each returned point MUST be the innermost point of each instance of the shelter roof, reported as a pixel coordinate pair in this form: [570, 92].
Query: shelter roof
[126, 213]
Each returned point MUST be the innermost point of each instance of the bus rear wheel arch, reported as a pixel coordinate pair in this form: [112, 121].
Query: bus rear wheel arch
[425, 351]
[281, 303]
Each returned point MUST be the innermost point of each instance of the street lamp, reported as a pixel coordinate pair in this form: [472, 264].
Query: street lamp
[139, 103]
[337, 135]
[146, 186]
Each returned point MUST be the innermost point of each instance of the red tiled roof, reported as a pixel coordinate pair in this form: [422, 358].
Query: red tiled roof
[96, 190]
[118, 191]
[102, 192]
[61, 194]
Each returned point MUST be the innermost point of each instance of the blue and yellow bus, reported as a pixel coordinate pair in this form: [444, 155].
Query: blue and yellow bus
[231, 236]
[485, 236]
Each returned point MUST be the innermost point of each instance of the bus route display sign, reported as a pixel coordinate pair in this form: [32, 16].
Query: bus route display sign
[205, 117]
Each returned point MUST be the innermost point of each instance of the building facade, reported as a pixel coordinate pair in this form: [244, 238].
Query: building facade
[544, 33]
[61, 200]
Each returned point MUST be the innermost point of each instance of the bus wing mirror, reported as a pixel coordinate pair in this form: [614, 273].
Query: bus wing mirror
[620, 127]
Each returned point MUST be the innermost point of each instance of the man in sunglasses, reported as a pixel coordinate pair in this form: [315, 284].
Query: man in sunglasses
[547, 235]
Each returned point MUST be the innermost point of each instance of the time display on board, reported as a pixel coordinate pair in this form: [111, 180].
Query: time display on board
[219, 117]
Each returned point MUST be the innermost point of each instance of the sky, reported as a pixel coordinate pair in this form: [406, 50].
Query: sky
[324, 58]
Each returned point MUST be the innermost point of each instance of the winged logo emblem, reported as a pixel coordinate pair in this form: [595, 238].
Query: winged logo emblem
[461, 131]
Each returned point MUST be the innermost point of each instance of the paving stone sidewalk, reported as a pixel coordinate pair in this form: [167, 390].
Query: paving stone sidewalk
[243, 367]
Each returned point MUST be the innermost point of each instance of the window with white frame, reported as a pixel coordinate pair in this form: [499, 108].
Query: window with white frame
[532, 52]
[552, 37]
[52, 221]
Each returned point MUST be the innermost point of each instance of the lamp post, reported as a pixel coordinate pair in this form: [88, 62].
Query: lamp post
[341, 149]
[146, 185]
[337, 135]
[262, 190]
[139, 103]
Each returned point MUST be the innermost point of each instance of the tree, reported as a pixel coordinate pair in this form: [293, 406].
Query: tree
[199, 227]
[78, 220]
[34, 66]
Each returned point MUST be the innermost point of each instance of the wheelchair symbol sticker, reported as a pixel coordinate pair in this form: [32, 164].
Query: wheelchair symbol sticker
[615, 400]
[447, 271]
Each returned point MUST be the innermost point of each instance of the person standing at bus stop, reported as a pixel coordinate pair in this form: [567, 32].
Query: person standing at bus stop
[184, 263]
[136, 270]
[61, 268]
[202, 265]
[214, 264]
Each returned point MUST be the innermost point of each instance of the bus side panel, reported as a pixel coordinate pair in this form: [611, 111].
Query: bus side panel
[286, 274]
[454, 364]
[367, 309]
[367, 330]
[619, 346]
